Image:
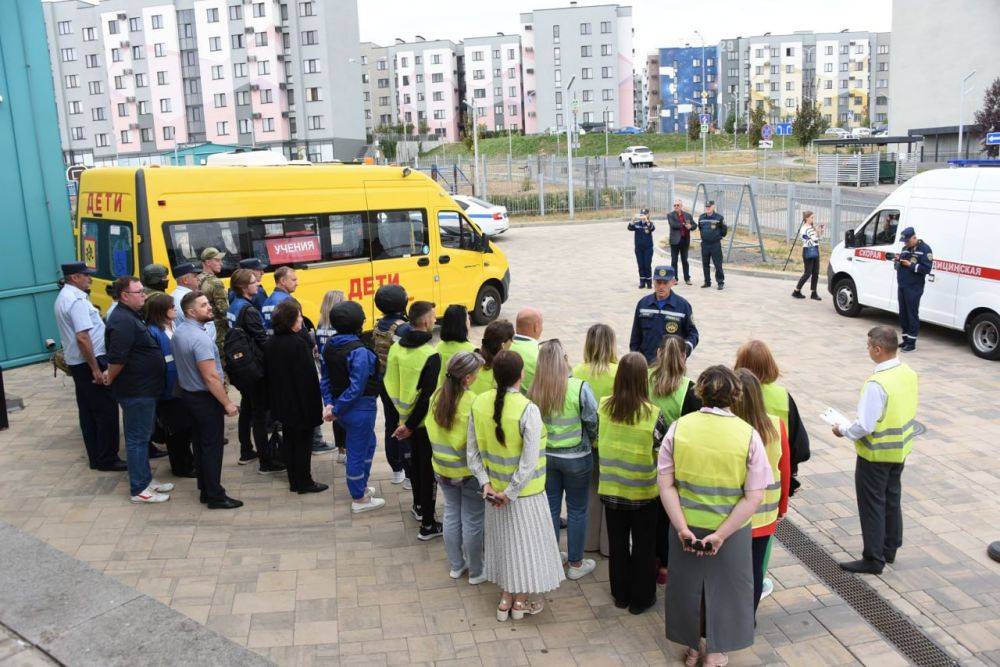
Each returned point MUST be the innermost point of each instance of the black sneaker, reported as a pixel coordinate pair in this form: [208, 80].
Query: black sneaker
[270, 468]
[416, 512]
[815, 297]
[798, 295]
[706, 285]
[249, 458]
[430, 532]
[909, 347]
[720, 287]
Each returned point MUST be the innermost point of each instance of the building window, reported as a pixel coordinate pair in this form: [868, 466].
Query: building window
[66, 27]
[187, 30]
[67, 55]
[843, 84]
[696, 78]
[788, 85]
[790, 102]
[556, 56]
[476, 57]
[828, 50]
[72, 81]
[267, 124]
[122, 110]
[497, 72]
[844, 67]
[511, 54]
[557, 76]
[384, 83]
[126, 137]
[307, 9]
[192, 86]
[243, 126]
[759, 70]
[584, 28]
[222, 128]
[496, 54]
[119, 83]
[263, 67]
[588, 95]
[265, 96]
[479, 93]
[260, 39]
[883, 67]
[101, 140]
[217, 72]
[235, 13]
[883, 49]
[159, 50]
[146, 134]
[191, 58]
[789, 69]
[138, 53]
[310, 37]
[214, 43]
[168, 132]
[259, 10]
[92, 61]
[605, 72]
[827, 67]
[236, 41]
[828, 84]
[315, 122]
[213, 14]
[881, 118]
[774, 86]
[586, 51]
[512, 91]
[555, 34]
[605, 49]
[605, 27]
[239, 70]
[314, 95]
[89, 35]
[76, 133]
[417, 60]
[436, 59]
[165, 105]
[142, 108]
[161, 78]
[587, 73]
[709, 62]
[242, 97]
[882, 83]
[419, 78]
[97, 113]
[478, 74]
[607, 95]
[311, 65]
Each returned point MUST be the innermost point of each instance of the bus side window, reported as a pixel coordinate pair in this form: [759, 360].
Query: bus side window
[399, 233]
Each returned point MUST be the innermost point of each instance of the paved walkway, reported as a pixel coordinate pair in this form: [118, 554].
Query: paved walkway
[302, 581]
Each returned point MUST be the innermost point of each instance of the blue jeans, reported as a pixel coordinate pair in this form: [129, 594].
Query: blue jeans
[138, 416]
[463, 524]
[573, 477]
[360, 427]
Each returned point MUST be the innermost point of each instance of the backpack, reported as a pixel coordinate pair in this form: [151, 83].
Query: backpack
[382, 340]
[243, 359]
[337, 369]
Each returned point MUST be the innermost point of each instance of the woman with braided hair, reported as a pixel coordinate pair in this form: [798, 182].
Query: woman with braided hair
[506, 453]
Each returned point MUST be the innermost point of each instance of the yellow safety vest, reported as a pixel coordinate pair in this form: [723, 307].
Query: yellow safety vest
[600, 383]
[448, 445]
[892, 439]
[670, 405]
[502, 461]
[402, 374]
[528, 350]
[775, 400]
[565, 430]
[448, 349]
[767, 511]
[627, 468]
[484, 382]
[710, 466]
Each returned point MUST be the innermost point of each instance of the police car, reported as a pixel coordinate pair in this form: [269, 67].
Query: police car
[492, 220]
[957, 213]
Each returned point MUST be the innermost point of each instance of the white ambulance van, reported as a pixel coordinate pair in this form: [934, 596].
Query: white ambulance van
[957, 213]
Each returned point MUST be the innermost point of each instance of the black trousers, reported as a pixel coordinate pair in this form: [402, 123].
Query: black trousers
[397, 452]
[422, 476]
[810, 272]
[662, 524]
[98, 416]
[712, 252]
[879, 488]
[297, 445]
[339, 436]
[176, 428]
[633, 570]
[909, 312]
[681, 249]
[253, 420]
[208, 429]
[644, 258]
[758, 547]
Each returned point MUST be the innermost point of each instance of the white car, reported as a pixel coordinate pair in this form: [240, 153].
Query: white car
[838, 132]
[636, 155]
[492, 220]
[860, 132]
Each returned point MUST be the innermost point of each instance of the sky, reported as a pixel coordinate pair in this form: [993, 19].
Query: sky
[657, 23]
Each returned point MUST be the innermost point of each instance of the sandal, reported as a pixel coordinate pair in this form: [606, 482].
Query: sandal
[529, 607]
[503, 612]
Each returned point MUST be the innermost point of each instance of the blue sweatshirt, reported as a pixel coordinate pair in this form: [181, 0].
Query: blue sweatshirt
[362, 364]
[168, 356]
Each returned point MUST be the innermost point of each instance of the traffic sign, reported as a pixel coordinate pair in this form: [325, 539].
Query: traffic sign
[705, 119]
[766, 132]
[575, 105]
[704, 128]
[73, 172]
[783, 130]
[993, 138]
[766, 144]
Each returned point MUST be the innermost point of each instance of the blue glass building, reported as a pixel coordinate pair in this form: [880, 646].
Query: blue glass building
[681, 72]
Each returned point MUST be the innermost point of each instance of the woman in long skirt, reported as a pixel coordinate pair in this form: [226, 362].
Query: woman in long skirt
[506, 453]
[713, 470]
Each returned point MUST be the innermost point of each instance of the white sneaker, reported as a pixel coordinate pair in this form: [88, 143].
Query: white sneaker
[149, 495]
[475, 581]
[161, 487]
[565, 557]
[367, 505]
[457, 574]
[407, 484]
[587, 566]
[398, 476]
[768, 588]
[341, 457]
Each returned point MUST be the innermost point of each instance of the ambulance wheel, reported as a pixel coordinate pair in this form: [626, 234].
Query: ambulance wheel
[845, 298]
[984, 335]
[487, 305]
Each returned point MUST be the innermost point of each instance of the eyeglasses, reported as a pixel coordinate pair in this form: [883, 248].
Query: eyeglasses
[129, 291]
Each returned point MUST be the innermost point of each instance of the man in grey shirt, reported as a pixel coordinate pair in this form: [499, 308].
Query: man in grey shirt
[199, 376]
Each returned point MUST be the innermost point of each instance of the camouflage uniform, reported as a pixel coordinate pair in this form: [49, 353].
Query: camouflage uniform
[212, 287]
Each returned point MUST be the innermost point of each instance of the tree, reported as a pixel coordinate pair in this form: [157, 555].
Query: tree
[388, 147]
[809, 122]
[424, 127]
[758, 118]
[694, 126]
[988, 118]
[730, 125]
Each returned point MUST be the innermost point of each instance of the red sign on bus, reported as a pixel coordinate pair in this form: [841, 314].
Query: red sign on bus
[294, 249]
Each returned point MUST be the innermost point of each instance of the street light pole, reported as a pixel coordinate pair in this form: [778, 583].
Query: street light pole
[569, 151]
[961, 109]
[475, 148]
[736, 119]
[704, 96]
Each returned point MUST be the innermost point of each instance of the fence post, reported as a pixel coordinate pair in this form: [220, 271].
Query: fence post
[790, 210]
[857, 156]
[541, 193]
[605, 173]
[586, 179]
[835, 215]
[649, 193]
[510, 167]
[454, 178]
[672, 187]
[626, 183]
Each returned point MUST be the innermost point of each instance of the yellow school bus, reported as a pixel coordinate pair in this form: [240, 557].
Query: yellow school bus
[342, 227]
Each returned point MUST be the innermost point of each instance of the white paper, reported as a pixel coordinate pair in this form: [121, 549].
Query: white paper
[834, 417]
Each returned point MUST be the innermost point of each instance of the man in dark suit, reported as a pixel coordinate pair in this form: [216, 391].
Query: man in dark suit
[681, 225]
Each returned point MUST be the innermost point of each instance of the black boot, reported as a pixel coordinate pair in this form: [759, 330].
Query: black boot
[815, 297]
[797, 295]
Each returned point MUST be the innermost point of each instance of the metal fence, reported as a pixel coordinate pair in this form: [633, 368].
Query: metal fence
[539, 186]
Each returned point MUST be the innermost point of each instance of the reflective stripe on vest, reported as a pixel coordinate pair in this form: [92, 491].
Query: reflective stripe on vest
[627, 468]
[448, 454]
[601, 384]
[408, 362]
[710, 466]
[447, 349]
[502, 460]
[565, 429]
[775, 400]
[891, 441]
[767, 511]
[671, 404]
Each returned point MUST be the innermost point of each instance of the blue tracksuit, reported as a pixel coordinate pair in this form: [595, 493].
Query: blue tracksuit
[910, 282]
[259, 299]
[355, 410]
[269, 305]
[655, 319]
[643, 239]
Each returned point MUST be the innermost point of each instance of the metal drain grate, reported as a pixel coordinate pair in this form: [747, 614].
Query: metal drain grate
[909, 639]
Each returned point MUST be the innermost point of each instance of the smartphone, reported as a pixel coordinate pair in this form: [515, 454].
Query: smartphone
[492, 499]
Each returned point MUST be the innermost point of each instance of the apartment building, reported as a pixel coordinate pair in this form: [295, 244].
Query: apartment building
[776, 72]
[688, 85]
[378, 80]
[578, 62]
[137, 78]
[651, 89]
[428, 85]
[493, 81]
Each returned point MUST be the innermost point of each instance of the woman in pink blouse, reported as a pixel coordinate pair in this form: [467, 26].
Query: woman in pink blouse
[713, 470]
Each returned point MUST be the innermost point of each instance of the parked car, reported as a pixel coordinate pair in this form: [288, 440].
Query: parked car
[859, 132]
[591, 127]
[838, 132]
[491, 219]
[636, 155]
[628, 129]
[880, 131]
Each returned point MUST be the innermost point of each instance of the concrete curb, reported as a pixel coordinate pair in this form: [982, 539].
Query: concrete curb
[79, 616]
[773, 275]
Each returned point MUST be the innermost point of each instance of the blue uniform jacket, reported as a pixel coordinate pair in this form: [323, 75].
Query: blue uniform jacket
[654, 320]
[168, 356]
[259, 299]
[913, 276]
[643, 232]
[269, 305]
[712, 228]
[362, 364]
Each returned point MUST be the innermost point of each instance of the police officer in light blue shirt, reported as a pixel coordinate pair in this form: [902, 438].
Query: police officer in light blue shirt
[913, 264]
[662, 313]
[81, 331]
